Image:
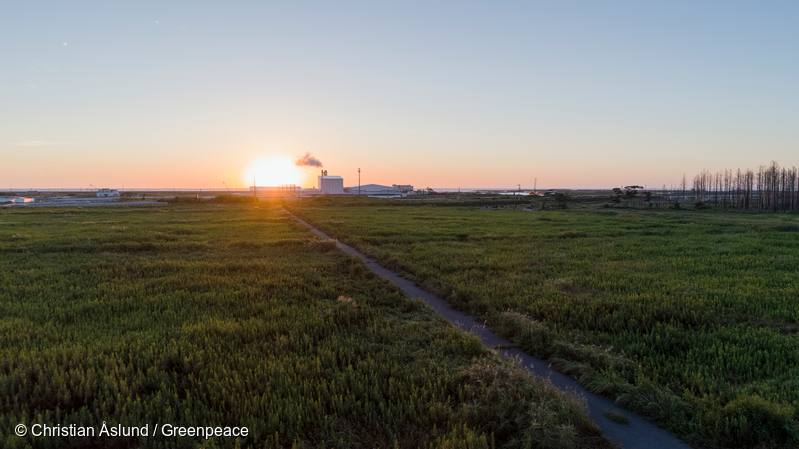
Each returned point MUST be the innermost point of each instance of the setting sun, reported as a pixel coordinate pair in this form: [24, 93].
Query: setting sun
[273, 171]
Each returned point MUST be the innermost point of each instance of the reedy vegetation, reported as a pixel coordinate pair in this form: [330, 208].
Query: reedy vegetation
[688, 317]
[238, 316]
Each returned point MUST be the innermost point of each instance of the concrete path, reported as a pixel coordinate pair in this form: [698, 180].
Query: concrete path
[639, 434]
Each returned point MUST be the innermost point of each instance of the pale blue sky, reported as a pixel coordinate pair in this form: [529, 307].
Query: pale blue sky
[476, 94]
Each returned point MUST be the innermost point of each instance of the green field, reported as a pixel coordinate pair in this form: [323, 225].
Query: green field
[233, 315]
[690, 317]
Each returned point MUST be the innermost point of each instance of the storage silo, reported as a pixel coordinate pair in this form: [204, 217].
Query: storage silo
[330, 185]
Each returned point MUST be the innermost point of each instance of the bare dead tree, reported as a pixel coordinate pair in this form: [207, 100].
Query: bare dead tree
[770, 188]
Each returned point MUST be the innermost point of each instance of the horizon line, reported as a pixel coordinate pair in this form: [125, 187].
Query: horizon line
[247, 189]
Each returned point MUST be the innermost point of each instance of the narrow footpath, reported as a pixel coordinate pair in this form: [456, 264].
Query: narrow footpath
[639, 434]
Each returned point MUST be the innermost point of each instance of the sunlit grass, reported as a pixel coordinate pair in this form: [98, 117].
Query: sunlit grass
[237, 316]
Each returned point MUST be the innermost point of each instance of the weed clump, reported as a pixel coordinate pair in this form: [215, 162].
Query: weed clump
[617, 417]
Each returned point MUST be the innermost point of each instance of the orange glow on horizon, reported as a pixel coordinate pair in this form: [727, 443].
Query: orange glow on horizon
[272, 171]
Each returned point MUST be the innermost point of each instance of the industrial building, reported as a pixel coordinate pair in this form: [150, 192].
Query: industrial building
[334, 185]
[330, 185]
[368, 189]
[380, 191]
[403, 188]
[107, 192]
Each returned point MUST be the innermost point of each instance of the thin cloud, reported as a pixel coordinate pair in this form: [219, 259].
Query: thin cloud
[308, 160]
[156, 22]
[36, 143]
[65, 44]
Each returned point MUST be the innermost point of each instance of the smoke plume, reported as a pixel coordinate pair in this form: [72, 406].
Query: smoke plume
[308, 160]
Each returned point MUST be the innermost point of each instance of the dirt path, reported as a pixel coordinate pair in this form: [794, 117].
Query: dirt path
[639, 434]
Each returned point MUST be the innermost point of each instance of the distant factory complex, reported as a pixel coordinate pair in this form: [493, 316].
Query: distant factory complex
[334, 185]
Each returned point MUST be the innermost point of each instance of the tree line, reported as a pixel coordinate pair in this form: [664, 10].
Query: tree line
[769, 188]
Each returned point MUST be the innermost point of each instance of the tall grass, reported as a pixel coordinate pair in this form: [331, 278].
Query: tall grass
[236, 316]
[689, 317]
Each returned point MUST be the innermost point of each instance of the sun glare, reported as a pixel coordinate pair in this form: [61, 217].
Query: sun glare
[273, 171]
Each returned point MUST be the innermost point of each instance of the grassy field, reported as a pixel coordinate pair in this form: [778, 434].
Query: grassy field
[690, 317]
[212, 315]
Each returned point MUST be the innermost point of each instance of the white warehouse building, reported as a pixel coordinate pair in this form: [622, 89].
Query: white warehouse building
[107, 192]
[330, 185]
[380, 191]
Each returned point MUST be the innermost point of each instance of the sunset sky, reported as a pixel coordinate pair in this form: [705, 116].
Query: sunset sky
[188, 94]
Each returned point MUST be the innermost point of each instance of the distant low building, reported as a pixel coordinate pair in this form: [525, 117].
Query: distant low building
[107, 192]
[368, 189]
[402, 188]
[377, 190]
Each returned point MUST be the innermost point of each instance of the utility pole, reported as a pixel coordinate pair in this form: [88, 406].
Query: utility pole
[359, 181]
[535, 186]
[254, 189]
